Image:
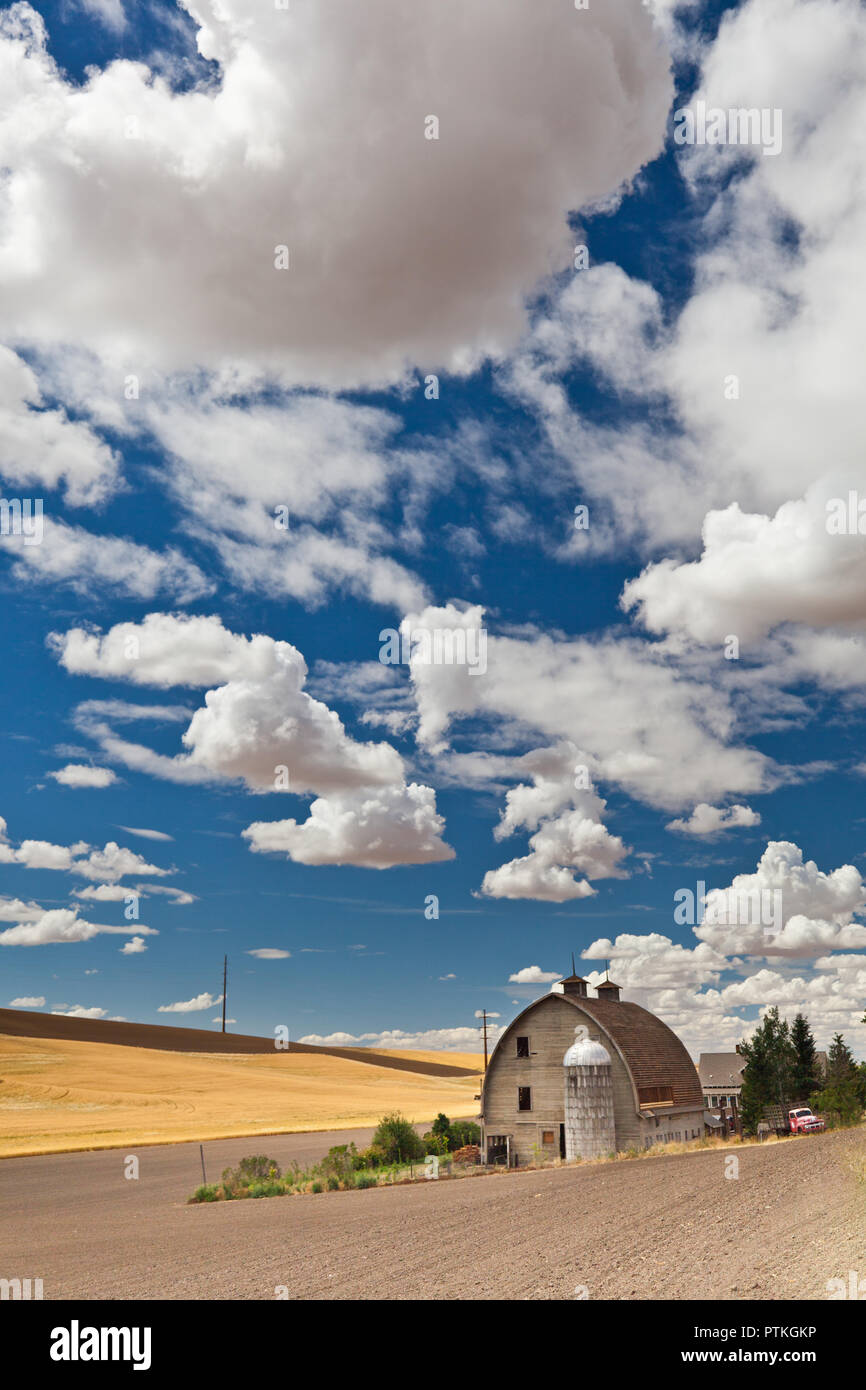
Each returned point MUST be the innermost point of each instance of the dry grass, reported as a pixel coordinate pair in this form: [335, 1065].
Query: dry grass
[687, 1146]
[449, 1059]
[683, 1146]
[858, 1168]
[56, 1096]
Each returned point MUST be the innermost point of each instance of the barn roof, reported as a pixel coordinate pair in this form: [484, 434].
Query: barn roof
[652, 1051]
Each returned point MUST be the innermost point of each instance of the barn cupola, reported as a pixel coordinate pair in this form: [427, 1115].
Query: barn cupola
[573, 985]
[608, 990]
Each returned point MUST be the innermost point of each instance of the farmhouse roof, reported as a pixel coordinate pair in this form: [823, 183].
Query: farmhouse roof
[721, 1069]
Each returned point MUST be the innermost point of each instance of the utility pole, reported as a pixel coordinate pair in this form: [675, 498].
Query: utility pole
[225, 973]
[484, 1017]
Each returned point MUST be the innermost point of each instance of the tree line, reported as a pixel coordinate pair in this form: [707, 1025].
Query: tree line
[782, 1068]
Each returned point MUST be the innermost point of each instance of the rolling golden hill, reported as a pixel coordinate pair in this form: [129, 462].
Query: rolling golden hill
[59, 1094]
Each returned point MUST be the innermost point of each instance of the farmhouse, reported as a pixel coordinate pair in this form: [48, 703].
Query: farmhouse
[721, 1076]
[574, 1075]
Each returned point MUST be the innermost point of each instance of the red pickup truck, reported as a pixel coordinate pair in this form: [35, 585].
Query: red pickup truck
[804, 1121]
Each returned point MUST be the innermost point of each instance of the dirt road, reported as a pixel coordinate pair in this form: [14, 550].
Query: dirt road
[667, 1228]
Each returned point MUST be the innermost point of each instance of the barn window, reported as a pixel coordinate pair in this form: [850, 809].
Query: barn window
[547, 1136]
[523, 1047]
[654, 1095]
[524, 1097]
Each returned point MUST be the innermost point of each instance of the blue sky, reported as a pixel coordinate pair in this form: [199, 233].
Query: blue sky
[672, 694]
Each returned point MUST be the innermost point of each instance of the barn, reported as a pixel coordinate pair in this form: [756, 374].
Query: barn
[575, 1075]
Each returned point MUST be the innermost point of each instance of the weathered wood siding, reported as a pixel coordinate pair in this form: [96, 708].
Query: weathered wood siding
[550, 1026]
[681, 1125]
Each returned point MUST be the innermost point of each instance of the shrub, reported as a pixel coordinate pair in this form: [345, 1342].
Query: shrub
[366, 1180]
[340, 1160]
[445, 1136]
[368, 1158]
[208, 1193]
[249, 1170]
[398, 1140]
[436, 1144]
[266, 1189]
[840, 1104]
[464, 1132]
[333, 1183]
[316, 1187]
[441, 1127]
[258, 1167]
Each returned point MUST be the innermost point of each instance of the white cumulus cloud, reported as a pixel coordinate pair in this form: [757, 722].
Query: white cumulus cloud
[258, 720]
[133, 947]
[190, 1006]
[375, 829]
[534, 975]
[710, 820]
[61, 926]
[298, 143]
[787, 907]
[83, 775]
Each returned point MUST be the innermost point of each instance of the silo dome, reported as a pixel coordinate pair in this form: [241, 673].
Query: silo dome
[586, 1053]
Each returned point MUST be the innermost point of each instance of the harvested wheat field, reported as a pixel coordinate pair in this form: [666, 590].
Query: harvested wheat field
[62, 1094]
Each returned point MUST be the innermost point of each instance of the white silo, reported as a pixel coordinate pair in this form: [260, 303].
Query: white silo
[590, 1131]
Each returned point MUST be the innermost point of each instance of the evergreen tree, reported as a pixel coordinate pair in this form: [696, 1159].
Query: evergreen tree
[755, 1085]
[841, 1065]
[768, 1076]
[805, 1073]
[842, 1098]
[840, 1103]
